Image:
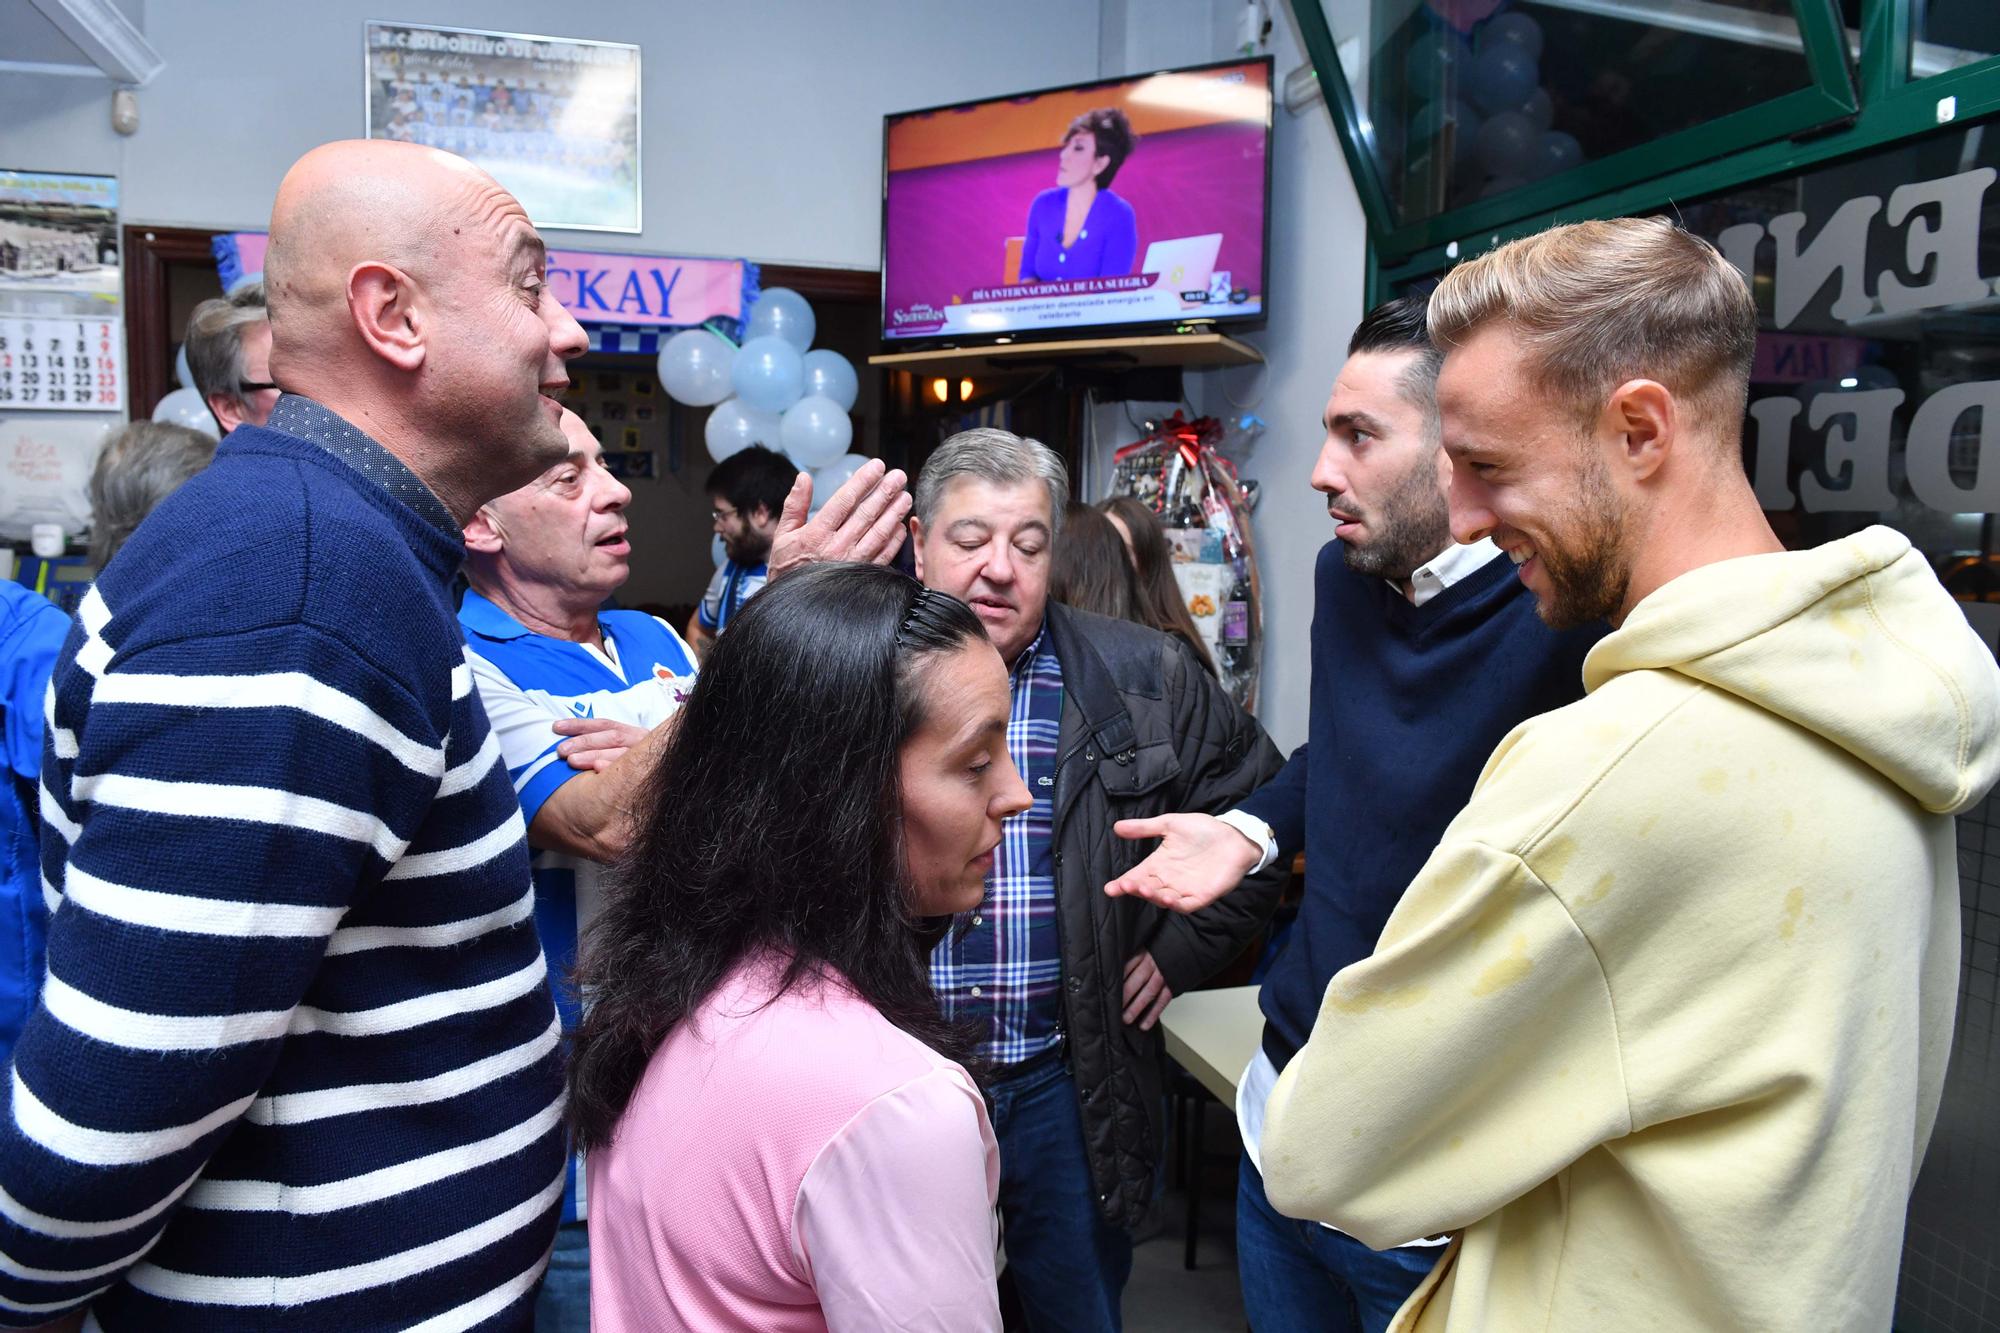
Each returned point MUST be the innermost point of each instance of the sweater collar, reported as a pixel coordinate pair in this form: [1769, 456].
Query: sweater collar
[305, 419]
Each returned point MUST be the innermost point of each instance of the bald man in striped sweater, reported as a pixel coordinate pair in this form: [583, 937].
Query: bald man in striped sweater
[296, 1064]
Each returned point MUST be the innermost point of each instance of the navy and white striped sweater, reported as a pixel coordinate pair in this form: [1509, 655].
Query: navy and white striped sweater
[296, 1065]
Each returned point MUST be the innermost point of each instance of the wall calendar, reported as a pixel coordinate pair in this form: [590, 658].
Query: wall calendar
[62, 362]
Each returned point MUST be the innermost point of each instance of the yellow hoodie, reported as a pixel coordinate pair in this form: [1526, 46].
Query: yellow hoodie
[1660, 1028]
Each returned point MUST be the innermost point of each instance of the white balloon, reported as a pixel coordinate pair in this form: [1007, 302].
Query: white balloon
[782, 312]
[182, 375]
[831, 375]
[186, 407]
[733, 427]
[816, 431]
[717, 551]
[833, 476]
[694, 367]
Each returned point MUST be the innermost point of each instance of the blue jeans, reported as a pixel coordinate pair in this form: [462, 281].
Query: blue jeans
[1299, 1276]
[563, 1304]
[1069, 1264]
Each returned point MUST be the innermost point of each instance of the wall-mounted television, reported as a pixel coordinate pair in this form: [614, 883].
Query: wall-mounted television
[1126, 205]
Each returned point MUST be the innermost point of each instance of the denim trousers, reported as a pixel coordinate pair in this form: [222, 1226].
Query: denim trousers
[1301, 1277]
[1068, 1264]
[563, 1304]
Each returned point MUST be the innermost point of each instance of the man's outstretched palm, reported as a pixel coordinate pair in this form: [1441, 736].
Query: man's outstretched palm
[863, 520]
[1199, 859]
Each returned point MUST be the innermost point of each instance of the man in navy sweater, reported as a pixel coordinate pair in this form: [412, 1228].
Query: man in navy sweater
[1424, 655]
[297, 1061]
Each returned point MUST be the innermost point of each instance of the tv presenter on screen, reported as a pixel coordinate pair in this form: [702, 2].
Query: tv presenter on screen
[1080, 229]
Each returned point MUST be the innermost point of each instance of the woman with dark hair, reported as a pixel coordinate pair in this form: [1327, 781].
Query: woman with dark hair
[1080, 229]
[1159, 595]
[1089, 569]
[778, 1135]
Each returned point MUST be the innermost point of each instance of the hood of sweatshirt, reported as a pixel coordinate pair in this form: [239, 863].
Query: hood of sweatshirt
[1854, 640]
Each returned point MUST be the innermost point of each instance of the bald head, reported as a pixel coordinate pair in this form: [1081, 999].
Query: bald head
[359, 201]
[406, 293]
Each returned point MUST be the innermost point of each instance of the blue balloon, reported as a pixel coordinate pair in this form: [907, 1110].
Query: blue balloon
[1512, 28]
[1539, 109]
[769, 374]
[1435, 121]
[783, 313]
[829, 375]
[1434, 64]
[1507, 144]
[1556, 152]
[1502, 77]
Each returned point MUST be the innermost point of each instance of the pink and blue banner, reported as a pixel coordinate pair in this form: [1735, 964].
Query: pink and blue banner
[597, 288]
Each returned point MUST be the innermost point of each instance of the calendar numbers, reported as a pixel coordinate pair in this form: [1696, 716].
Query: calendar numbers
[55, 364]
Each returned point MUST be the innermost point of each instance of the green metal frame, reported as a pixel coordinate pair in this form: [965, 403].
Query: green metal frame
[1832, 98]
[1895, 108]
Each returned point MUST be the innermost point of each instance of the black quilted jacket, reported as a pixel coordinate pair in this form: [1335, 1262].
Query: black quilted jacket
[1145, 731]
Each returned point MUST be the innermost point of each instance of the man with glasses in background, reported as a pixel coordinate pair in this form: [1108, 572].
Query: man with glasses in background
[229, 355]
[747, 491]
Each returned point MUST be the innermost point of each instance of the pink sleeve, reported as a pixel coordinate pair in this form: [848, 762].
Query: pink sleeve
[895, 1223]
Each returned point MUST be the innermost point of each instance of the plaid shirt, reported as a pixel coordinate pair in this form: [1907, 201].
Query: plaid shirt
[1001, 964]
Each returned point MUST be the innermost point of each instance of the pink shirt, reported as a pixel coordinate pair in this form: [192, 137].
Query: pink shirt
[797, 1165]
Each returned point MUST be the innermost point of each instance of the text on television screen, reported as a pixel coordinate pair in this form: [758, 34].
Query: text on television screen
[1138, 202]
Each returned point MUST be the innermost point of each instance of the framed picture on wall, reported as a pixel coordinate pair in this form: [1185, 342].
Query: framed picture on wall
[554, 119]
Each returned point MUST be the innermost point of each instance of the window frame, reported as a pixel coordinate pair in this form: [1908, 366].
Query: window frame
[1637, 172]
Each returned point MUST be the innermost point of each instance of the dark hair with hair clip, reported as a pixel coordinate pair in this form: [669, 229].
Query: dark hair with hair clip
[772, 824]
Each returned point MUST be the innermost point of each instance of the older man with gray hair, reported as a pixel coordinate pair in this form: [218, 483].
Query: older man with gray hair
[1110, 721]
[229, 355]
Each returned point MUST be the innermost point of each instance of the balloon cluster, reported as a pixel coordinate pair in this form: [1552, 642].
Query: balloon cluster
[772, 390]
[185, 406]
[1485, 110]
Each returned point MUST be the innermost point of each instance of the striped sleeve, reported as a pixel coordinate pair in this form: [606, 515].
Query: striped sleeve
[213, 806]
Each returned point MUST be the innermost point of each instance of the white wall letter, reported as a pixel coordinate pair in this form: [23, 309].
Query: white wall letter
[1858, 454]
[1928, 457]
[1841, 246]
[1772, 442]
[1953, 242]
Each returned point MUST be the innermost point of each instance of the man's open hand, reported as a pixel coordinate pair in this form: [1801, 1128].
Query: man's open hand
[863, 520]
[1199, 859]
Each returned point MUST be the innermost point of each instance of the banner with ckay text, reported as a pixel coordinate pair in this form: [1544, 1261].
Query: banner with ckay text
[596, 288]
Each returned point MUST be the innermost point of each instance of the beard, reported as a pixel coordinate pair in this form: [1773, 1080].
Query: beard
[1411, 525]
[1587, 573]
[749, 549]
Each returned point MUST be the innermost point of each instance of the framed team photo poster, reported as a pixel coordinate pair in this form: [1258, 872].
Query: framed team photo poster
[554, 119]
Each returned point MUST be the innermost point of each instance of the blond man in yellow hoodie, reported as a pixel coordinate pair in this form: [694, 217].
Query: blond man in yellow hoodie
[1661, 1027]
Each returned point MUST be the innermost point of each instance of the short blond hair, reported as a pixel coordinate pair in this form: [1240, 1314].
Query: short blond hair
[1603, 302]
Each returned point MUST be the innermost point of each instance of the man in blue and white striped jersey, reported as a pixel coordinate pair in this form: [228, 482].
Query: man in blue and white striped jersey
[296, 1063]
[567, 685]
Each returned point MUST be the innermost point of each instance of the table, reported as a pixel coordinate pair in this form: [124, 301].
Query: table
[1213, 1033]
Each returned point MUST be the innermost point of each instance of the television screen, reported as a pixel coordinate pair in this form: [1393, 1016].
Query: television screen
[1132, 202]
